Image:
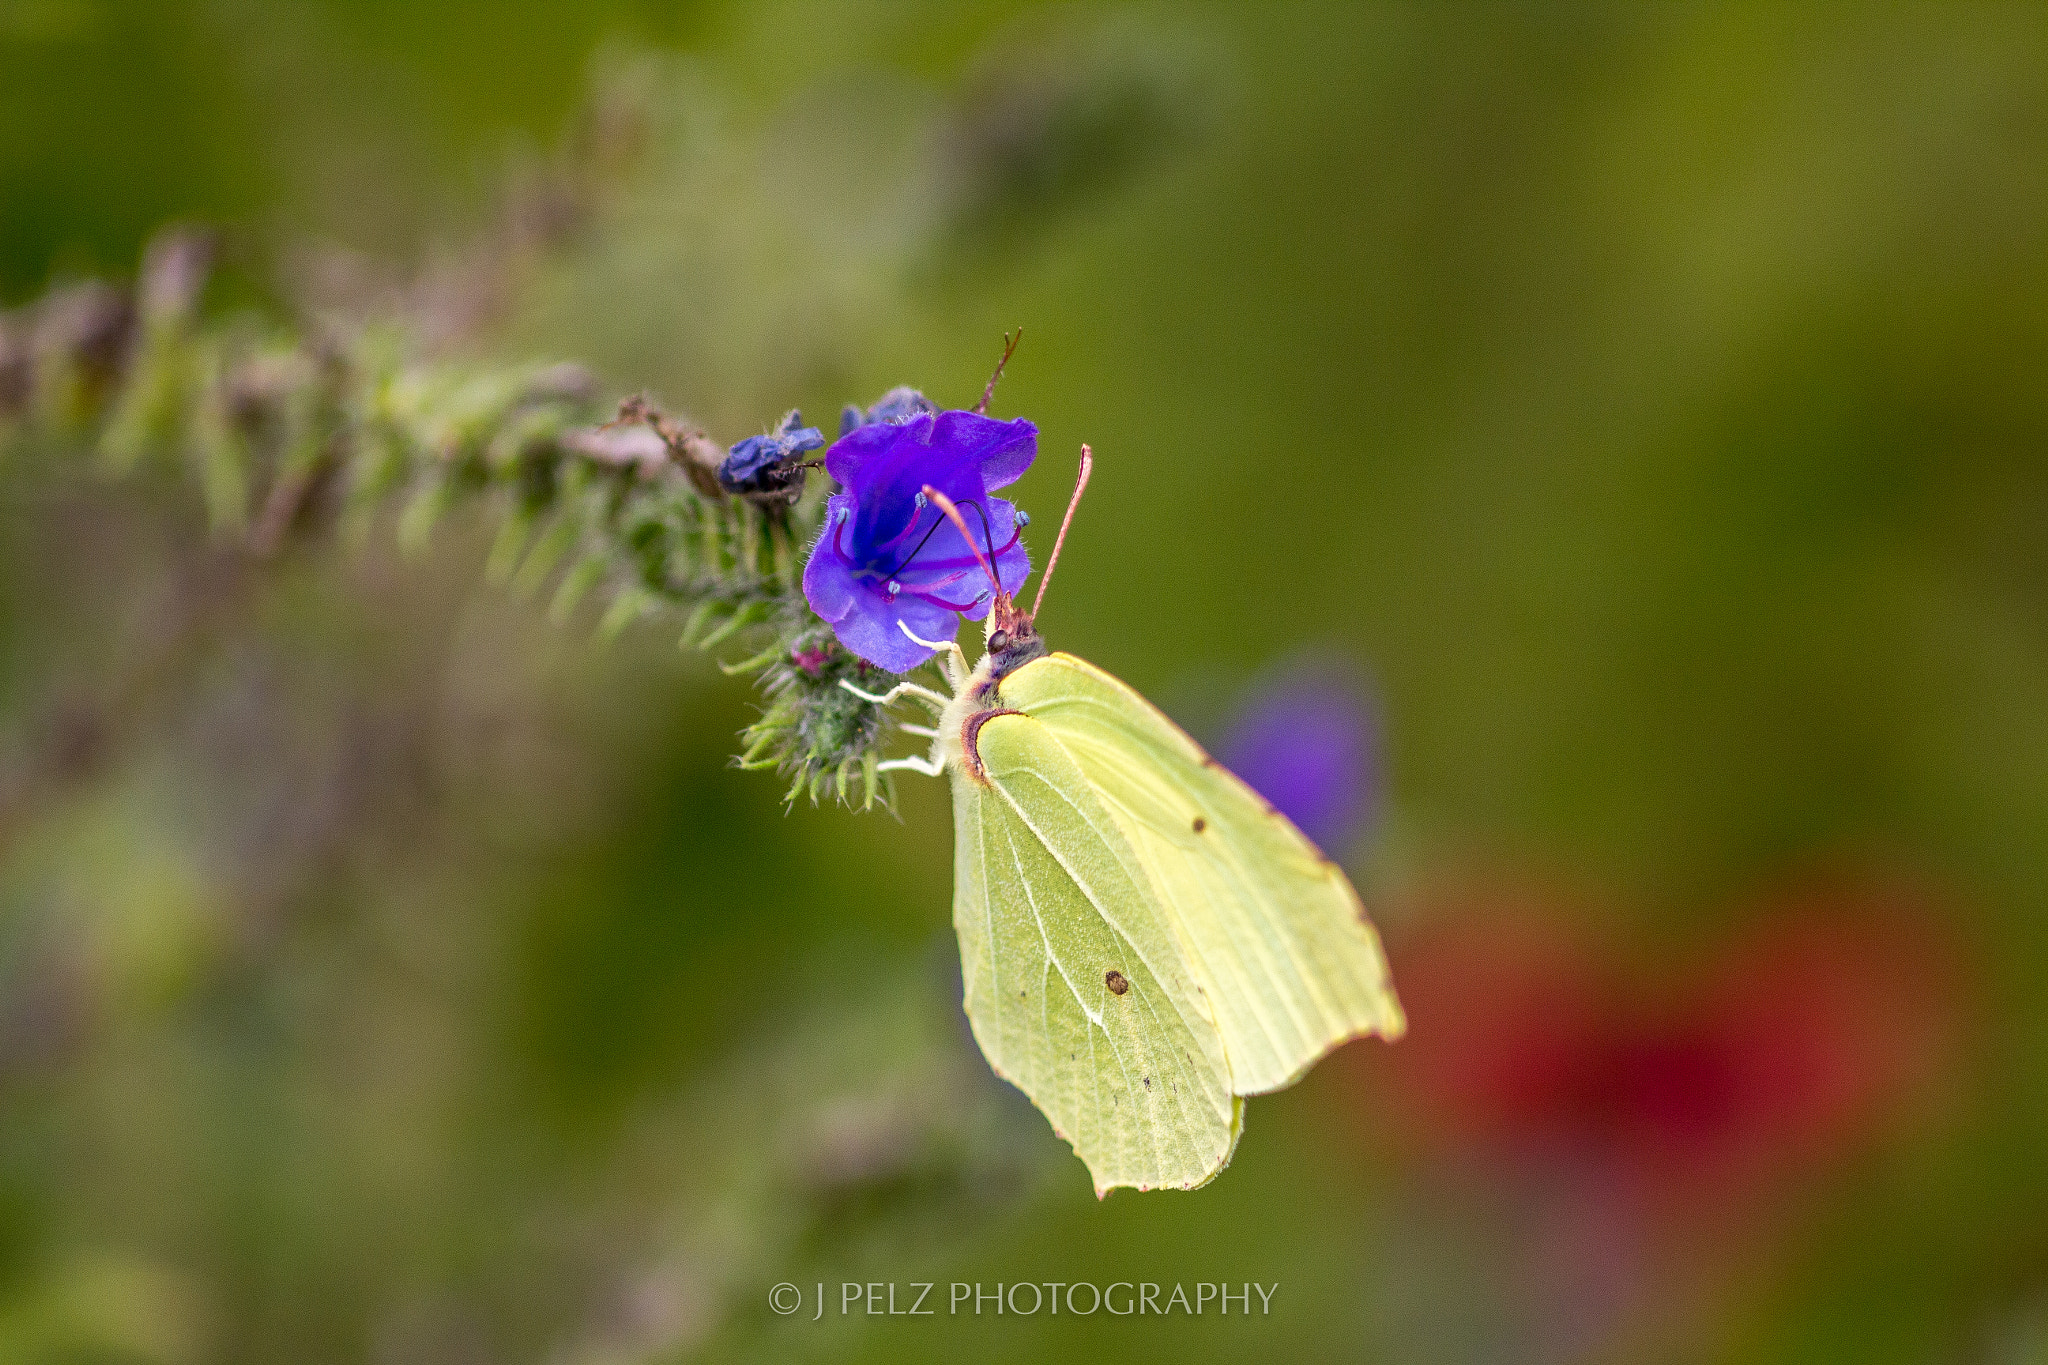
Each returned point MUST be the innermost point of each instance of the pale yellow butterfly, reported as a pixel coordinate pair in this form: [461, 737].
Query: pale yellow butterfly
[1144, 940]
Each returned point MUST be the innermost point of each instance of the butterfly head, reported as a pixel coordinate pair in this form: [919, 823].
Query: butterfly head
[1013, 638]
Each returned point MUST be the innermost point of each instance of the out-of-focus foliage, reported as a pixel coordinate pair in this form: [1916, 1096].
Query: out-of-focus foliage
[1645, 399]
[286, 435]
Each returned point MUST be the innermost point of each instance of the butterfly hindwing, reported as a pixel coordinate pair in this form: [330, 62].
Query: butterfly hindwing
[1272, 931]
[1074, 981]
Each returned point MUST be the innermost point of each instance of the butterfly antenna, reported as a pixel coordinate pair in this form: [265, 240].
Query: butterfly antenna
[945, 504]
[988, 538]
[1080, 487]
[1009, 349]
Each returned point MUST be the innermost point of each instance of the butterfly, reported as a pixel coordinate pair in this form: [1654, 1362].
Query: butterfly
[1144, 941]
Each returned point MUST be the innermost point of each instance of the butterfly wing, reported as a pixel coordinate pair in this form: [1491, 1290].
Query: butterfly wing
[1272, 930]
[1049, 901]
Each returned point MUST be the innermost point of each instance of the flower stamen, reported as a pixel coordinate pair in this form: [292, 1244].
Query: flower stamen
[953, 515]
[987, 537]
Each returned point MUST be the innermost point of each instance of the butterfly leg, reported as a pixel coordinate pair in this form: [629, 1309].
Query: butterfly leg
[930, 767]
[923, 694]
[952, 659]
[921, 731]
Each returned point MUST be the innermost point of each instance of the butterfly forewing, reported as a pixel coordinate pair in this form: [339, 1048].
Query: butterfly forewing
[1074, 981]
[1272, 930]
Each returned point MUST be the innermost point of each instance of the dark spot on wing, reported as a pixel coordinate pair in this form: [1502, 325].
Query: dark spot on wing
[1200, 824]
[1148, 1082]
[1117, 982]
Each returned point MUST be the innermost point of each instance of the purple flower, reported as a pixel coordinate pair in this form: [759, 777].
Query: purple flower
[1304, 741]
[888, 559]
[760, 466]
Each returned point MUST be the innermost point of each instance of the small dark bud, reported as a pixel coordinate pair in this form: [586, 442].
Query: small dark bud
[768, 469]
[900, 405]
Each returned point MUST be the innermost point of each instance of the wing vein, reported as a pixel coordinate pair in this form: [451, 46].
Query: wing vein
[1140, 875]
[1094, 1017]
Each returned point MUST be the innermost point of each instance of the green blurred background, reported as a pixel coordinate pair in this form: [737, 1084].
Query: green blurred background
[1649, 403]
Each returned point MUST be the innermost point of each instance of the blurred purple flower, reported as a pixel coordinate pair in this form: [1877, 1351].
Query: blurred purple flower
[887, 559]
[1304, 740]
[896, 406]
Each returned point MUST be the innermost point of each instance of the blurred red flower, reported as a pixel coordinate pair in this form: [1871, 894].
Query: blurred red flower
[1682, 1081]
